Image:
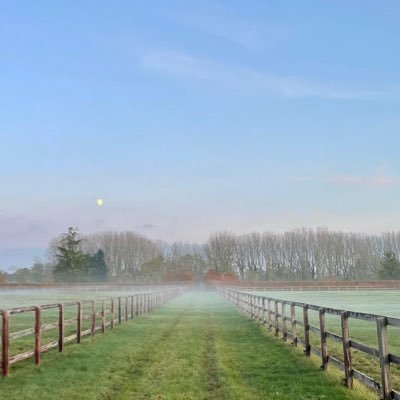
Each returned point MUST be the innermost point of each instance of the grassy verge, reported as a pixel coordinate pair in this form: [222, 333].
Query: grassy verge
[197, 347]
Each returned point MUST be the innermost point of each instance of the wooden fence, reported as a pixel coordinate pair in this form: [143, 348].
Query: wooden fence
[312, 288]
[273, 312]
[113, 311]
[370, 284]
[89, 287]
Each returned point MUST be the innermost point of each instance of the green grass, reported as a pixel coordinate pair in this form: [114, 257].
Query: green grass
[19, 298]
[375, 302]
[196, 347]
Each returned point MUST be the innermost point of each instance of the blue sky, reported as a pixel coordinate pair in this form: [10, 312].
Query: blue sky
[188, 117]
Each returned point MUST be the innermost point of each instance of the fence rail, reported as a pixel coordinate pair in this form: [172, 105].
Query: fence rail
[80, 288]
[113, 311]
[313, 288]
[266, 311]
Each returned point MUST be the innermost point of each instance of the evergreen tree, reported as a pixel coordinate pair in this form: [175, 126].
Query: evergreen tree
[72, 263]
[390, 266]
[97, 267]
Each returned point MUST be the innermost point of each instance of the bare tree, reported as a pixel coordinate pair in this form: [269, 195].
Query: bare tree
[220, 251]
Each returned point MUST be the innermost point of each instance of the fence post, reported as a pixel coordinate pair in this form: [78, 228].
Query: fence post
[137, 304]
[307, 346]
[126, 308]
[131, 307]
[348, 369]
[38, 334]
[119, 311]
[324, 347]
[93, 326]
[112, 314]
[249, 308]
[61, 327]
[284, 325]
[263, 311]
[103, 317]
[276, 319]
[5, 343]
[381, 325]
[293, 320]
[79, 322]
[269, 315]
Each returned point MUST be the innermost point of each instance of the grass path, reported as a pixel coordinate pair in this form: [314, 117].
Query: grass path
[197, 347]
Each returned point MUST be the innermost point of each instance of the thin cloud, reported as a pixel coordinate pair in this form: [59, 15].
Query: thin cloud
[180, 66]
[226, 24]
[379, 179]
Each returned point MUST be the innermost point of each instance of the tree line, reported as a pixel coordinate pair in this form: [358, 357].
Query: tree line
[299, 254]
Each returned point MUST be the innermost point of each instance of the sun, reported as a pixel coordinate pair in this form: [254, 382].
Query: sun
[99, 202]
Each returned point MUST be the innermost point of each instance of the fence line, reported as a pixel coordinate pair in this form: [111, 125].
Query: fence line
[310, 288]
[266, 311]
[79, 288]
[120, 309]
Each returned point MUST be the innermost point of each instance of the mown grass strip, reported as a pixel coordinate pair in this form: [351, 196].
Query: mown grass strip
[196, 348]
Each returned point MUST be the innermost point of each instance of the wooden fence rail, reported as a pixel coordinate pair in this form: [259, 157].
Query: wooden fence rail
[266, 311]
[305, 288]
[120, 309]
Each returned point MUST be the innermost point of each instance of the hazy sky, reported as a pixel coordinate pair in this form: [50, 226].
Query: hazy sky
[187, 117]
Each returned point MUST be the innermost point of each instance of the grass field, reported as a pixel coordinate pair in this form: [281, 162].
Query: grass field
[376, 302]
[26, 297]
[19, 298]
[195, 347]
[385, 302]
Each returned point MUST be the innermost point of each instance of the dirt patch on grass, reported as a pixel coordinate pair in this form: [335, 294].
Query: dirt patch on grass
[215, 388]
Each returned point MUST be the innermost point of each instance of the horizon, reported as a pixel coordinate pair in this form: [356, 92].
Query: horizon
[189, 118]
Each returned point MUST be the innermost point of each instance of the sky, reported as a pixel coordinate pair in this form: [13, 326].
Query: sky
[188, 117]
